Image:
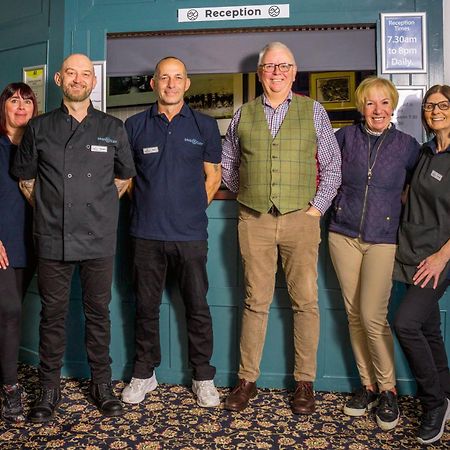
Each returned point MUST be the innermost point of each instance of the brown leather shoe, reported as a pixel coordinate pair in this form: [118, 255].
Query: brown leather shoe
[239, 397]
[303, 401]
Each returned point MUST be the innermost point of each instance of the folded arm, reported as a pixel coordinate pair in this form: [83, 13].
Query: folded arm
[27, 189]
[122, 185]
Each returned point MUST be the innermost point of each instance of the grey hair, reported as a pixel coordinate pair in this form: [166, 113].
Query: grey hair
[275, 46]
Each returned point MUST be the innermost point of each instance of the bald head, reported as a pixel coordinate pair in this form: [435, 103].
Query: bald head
[76, 58]
[76, 78]
[169, 59]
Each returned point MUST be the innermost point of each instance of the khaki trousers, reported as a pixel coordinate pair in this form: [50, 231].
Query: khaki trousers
[365, 275]
[296, 237]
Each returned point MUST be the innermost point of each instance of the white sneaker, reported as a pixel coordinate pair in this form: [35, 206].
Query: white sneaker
[137, 389]
[206, 392]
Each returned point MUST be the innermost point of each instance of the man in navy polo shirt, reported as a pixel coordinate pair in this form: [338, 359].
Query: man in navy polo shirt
[177, 152]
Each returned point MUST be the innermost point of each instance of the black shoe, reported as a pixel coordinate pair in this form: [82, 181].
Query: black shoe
[45, 406]
[103, 397]
[12, 410]
[362, 400]
[387, 412]
[433, 423]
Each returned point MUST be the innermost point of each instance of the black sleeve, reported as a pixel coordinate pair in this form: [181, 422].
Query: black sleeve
[123, 162]
[25, 161]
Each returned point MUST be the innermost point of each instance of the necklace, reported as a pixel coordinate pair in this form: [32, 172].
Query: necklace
[377, 148]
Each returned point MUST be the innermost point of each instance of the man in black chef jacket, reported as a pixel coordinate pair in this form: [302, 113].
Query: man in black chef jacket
[74, 162]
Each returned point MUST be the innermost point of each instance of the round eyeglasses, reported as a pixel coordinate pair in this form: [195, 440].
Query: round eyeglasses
[270, 67]
[429, 106]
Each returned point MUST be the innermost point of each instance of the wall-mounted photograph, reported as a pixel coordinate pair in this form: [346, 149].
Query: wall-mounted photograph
[337, 124]
[212, 94]
[335, 90]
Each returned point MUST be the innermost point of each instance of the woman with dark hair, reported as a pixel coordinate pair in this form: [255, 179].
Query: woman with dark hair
[377, 163]
[17, 106]
[422, 261]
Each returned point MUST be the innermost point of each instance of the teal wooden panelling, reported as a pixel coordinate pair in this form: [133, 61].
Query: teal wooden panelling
[36, 32]
[13, 60]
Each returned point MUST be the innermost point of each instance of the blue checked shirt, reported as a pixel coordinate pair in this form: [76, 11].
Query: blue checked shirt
[328, 152]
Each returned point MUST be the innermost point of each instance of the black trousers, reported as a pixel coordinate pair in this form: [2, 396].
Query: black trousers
[418, 328]
[152, 259]
[54, 279]
[13, 286]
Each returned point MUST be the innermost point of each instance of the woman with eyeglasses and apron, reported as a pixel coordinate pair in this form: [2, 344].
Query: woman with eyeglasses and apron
[422, 261]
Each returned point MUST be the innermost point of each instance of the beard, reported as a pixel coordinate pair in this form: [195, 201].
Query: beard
[80, 96]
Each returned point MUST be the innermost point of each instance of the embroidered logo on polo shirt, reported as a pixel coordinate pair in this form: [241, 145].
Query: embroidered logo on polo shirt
[148, 150]
[436, 175]
[193, 141]
[107, 139]
[99, 148]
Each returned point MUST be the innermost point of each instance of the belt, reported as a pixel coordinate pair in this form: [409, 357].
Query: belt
[274, 211]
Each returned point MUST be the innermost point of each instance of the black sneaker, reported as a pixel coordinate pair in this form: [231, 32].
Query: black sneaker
[387, 412]
[432, 424]
[362, 400]
[12, 410]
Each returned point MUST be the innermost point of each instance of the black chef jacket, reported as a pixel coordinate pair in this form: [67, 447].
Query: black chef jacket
[74, 164]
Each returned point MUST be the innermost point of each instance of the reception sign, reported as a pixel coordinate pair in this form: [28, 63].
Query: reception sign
[403, 43]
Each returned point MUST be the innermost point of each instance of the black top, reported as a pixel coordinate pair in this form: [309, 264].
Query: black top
[425, 226]
[74, 164]
[15, 212]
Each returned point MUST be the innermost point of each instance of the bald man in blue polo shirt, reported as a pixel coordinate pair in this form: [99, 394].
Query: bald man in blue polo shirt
[177, 152]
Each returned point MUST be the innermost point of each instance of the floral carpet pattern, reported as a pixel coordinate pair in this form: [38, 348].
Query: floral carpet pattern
[169, 418]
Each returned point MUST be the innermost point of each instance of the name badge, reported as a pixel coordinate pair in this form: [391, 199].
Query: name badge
[436, 175]
[99, 148]
[148, 150]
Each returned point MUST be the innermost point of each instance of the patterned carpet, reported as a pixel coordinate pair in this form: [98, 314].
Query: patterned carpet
[170, 419]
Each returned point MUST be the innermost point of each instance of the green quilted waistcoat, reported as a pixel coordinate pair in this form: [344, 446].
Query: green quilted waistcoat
[282, 170]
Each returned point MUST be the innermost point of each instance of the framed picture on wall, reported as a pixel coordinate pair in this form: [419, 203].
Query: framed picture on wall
[335, 90]
[129, 91]
[336, 124]
[217, 95]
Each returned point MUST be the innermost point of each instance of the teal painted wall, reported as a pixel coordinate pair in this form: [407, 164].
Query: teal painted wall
[37, 32]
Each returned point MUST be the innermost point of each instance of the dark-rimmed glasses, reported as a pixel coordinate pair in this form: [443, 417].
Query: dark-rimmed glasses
[270, 67]
[429, 106]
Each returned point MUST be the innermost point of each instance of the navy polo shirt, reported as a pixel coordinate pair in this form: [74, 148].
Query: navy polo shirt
[169, 197]
[15, 212]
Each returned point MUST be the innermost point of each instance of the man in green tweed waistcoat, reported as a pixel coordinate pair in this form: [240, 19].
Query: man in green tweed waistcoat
[281, 157]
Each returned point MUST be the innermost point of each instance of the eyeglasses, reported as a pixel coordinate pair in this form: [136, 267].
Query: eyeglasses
[270, 67]
[443, 106]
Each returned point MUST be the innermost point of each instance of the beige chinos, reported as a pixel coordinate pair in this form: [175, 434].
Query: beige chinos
[365, 275]
[296, 237]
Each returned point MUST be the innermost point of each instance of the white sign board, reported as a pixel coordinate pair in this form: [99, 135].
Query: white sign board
[244, 12]
[36, 78]
[407, 116]
[98, 94]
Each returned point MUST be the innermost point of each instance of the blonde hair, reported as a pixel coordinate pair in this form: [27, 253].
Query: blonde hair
[370, 83]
